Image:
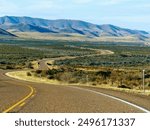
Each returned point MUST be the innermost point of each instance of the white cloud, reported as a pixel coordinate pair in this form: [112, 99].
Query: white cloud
[29, 7]
[82, 1]
[99, 2]
[112, 2]
[41, 5]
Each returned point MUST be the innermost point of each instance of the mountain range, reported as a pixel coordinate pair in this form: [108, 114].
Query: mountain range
[27, 24]
[5, 33]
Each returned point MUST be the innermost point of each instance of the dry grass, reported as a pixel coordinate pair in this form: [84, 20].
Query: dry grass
[35, 64]
[118, 39]
[48, 36]
[22, 75]
[74, 37]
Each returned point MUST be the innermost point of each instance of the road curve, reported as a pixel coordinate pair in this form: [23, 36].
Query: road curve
[56, 98]
[13, 95]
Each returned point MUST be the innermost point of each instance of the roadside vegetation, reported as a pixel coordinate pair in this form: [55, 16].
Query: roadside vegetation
[123, 69]
[124, 56]
[130, 79]
[16, 57]
[20, 54]
[117, 60]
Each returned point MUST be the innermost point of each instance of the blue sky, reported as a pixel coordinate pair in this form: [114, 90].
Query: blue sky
[134, 14]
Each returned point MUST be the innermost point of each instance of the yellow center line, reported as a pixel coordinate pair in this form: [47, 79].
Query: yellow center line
[22, 104]
[21, 101]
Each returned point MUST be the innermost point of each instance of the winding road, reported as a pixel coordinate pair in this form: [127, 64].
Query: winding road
[21, 96]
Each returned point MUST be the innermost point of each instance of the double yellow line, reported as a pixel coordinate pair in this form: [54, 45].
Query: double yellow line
[22, 101]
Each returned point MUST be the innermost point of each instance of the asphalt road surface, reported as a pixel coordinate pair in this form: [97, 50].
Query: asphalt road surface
[21, 96]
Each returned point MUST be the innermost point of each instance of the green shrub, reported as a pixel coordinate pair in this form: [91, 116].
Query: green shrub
[29, 74]
[124, 86]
